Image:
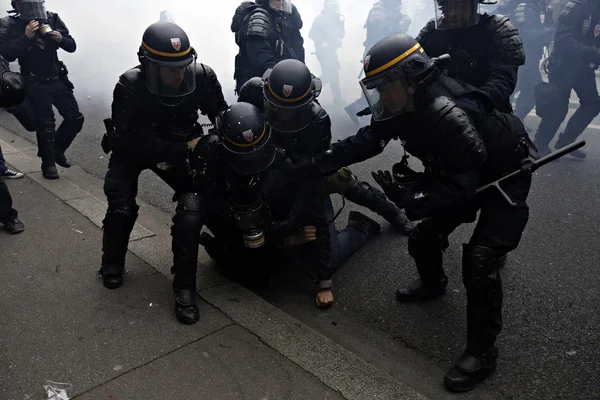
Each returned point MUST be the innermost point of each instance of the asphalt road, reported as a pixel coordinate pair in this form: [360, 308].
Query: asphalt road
[550, 347]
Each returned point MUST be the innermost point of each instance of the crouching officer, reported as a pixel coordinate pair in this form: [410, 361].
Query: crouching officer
[33, 36]
[155, 112]
[441, 123]
[288, 93]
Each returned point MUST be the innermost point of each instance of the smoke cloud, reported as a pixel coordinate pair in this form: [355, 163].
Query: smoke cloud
[108, 34]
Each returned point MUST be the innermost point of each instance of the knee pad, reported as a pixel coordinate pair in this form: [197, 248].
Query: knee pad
[480, 263]
[45, 125]
[420, 244]
[190, 213]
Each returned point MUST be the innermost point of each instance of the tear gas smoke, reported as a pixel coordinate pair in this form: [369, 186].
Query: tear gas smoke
[108, 34]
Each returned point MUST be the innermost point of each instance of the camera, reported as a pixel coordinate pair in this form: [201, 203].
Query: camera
[249, 219]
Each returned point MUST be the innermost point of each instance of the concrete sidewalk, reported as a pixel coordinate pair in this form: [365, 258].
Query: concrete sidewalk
[59, 323]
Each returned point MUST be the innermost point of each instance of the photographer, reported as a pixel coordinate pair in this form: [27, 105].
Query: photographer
[33, 36]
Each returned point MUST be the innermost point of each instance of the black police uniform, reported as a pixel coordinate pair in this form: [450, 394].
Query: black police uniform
[327, 32]
[12, 92]
[535, 23]
[246, 176]
[151, 133]
[486, 55]
[265, 37]
[309, 132]
[385, 18]
[48, 86]
[572, 65]
[461, 148]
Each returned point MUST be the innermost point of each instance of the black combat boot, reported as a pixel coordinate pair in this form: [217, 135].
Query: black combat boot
[484, 318]
[428, 255]
[116, 226]
[367, 196]
[187, 224]
[45, 138]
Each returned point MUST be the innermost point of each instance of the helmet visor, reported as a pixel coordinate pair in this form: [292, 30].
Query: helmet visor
[387, 94]
[288, 119]
[281, 5]
[170, 79]
[455, 14]
[31, 9]
[251, 162]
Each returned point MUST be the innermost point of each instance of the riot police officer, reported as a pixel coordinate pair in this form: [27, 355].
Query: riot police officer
[303, 128]
[386, 18]
[572, 65]
[327, 32]
[266, 32]
[461, 148]
[262, 213]
[33, 36]
[485, 50]
[12, 92]
[155, 112]
[534, 19]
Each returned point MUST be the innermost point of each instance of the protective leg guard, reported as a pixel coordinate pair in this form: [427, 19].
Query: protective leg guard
[484, 318]
[45, 137]
[116, 226]
[428, 255]
[187, 224]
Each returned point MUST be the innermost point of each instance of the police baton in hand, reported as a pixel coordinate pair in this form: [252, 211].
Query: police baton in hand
[530, 167]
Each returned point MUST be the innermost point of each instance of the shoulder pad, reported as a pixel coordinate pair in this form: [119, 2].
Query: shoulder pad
[321, 123]
[319, 113]
[4, 24]
[296, 18]
[239, 15]
[573, 11]
[259, 23]
[454, 135]
[425, 31]
[131, 77]
[376, 14]
[507, 44]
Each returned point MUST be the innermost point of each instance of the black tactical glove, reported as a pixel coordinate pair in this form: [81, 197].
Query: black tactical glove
[283, 229]
[392, 190]
[14, 89]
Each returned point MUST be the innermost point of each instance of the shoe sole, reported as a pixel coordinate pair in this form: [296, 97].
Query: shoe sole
[466, 389]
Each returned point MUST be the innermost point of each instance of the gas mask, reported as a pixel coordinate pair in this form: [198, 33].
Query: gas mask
[249, 211]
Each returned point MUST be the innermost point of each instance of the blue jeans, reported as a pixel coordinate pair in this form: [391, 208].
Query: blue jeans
[344, 243]
[2, 162]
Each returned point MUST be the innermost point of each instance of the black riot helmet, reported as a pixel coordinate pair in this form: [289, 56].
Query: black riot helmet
[30, 9]
[277, 5]
[289, 89]
[394, 67]
[252, 92]
[455, 14]
[169, 62]
[246, 137]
